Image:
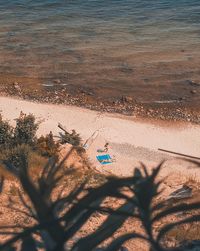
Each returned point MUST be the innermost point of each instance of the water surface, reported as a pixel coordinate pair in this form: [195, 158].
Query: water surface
[113, 46]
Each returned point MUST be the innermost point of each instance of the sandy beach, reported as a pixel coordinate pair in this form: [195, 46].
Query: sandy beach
[130, 140]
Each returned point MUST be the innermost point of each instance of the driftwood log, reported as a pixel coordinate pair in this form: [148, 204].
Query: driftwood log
[180, 154]
[62, 127]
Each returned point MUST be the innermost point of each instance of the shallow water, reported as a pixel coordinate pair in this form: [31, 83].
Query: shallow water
[115, 46]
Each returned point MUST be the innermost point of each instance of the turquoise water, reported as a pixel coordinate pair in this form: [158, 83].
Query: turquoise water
[101, 43]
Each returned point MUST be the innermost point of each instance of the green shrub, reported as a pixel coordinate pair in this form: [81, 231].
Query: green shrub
[6, 133]
[16, 157]
[25, 130]
[47, 146]
[70, 138]
[10, 160]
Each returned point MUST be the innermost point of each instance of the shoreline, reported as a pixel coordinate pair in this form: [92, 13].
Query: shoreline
[122, 116]
[131, 140]
[178, 110]
[130, 116]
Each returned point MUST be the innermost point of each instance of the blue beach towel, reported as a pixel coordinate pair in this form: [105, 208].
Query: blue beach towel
[104, 159]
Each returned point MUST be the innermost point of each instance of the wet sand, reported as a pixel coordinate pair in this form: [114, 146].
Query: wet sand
[184, 107]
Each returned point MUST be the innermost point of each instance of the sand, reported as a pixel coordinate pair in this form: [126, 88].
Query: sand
[130, 140]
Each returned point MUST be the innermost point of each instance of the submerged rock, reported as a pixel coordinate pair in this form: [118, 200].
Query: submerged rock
[17, 88]
[127, 99]
[57, 81]
[193, 83]
[193, 91]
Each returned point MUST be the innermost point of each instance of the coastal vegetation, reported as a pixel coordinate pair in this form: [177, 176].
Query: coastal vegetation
[25, 133]
[23, 137]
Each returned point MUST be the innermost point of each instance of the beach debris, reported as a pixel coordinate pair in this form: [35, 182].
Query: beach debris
[180, 154]
[90, 140]
[48, 85]
[100, 150]
[104, 159]
[181, 193]
[166, 101]
[71, 138]
[103, 150]
[62, 127]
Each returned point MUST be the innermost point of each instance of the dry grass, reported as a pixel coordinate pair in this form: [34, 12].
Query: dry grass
[36, 164]
[185, 233]
[189, 231]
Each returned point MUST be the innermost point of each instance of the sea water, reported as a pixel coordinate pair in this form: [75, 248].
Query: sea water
[113, 45]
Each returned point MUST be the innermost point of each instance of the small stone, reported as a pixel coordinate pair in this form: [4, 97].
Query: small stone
[193, 91]
[193, 83]
[129, 99]
[126, 99]
[57, 81]
[17, 86]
